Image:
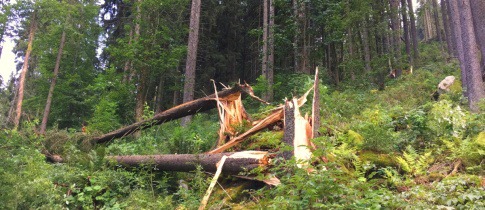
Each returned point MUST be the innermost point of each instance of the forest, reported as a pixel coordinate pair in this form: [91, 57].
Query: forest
[247, 104]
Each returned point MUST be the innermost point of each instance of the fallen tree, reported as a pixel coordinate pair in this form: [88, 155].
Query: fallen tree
[182, 110]
[236, 161]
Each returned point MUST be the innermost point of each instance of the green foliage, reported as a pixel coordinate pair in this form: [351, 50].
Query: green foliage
[445, 119]
[413, 163]
[104, 118]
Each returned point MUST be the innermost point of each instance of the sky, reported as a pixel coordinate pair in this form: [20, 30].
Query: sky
[7, 59]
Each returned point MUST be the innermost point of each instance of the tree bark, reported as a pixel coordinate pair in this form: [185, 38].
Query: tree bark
[475, 87]
[444, 17]
[190, 67]
[270, 70]
[235, 163]
[48, 103]
[454, 48]
[414, 34]
[25, 68]
[186, 109]
[365, 43]
[406, 31]
[478, 8]
[456, 28]
[437, 20]
[396, 34]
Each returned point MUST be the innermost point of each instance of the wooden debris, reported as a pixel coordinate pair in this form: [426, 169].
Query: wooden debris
[237, 162]
[204, 201]
[186, 109]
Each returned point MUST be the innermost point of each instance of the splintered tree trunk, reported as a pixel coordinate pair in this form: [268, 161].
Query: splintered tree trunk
[186, 109]
[437, 20]
[235, 163]
[47, 109]
[23, 74]
[297, 134]
[478, 8]
[189, 83]
[456, 28]
[414, 34]
[476, 88]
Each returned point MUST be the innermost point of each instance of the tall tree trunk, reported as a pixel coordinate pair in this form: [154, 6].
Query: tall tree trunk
[454, 48]
[456, 27]
[406, 31]
[437, 20]
[478, 8]
[414, 34]
[48, 103]
[446, 26]
[270, 71]
[25, 68]
[189, 83]
[476, 88]
[365, 43]
[396, 36]
[296, 37]
[127, 68]
[264, 67]
[141, 87]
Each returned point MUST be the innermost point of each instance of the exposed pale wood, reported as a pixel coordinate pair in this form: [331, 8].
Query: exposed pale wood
[316, 106]
[204, 201]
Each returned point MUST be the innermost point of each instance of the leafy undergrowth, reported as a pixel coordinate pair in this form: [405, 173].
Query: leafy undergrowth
[394, 149]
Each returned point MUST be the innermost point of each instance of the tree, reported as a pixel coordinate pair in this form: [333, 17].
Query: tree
[406, 31]
[478, 7]
[396, 36]
[414, 34]
[25, 68]
[47, 109]
[475, 87]
[446, 26]
[190, 67]
[457, 36]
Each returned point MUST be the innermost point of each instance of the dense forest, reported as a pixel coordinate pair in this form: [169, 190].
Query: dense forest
[140, 104]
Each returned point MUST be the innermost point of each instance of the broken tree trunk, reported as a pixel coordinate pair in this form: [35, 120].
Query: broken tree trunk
[231, 114]
[236, 162]
[297, 134]
[185, 109]
[276, 116]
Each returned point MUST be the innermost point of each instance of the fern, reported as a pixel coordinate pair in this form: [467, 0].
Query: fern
[414, 163]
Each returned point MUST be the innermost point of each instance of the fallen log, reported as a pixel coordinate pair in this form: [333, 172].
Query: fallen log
[186, 109]
[236, 162]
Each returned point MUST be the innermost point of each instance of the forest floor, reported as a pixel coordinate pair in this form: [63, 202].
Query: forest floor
[395, 148]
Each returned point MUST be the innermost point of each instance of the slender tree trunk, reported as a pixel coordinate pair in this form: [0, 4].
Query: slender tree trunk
[396, 34]
[264, 67]
[190, 67]
[296, 37]
[48, 103]
[406, 31]
[141, 87]
[476, 88]
[127, 68]
[437, 20]
[446, 26]
[23, 74]
[456, 27]
[365, 43]
[454, 48]
[160, 94]
[478, 8]
[414, 34]
[270, 71]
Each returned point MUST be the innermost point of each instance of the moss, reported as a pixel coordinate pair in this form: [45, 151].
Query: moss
[380, 160]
